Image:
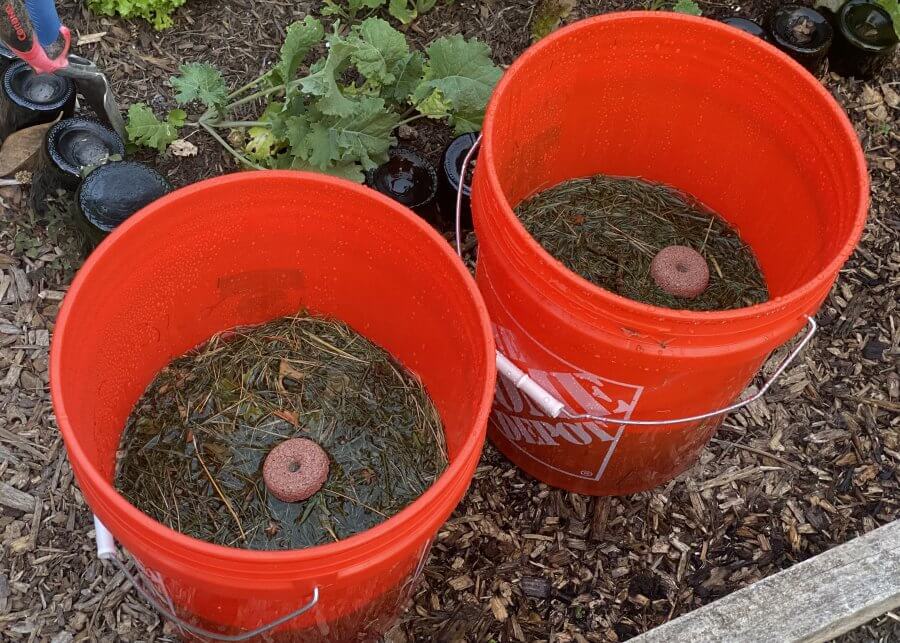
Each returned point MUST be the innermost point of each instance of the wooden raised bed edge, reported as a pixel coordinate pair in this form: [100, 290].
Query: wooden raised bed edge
[815, 600]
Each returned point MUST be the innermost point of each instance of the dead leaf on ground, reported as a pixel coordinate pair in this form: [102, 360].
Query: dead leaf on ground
[286, 371]
[20, 147]
[871, 97]
[461, 582]
[181, 147]
[162, 63]
[891, 97]
[287, 416]
[878, 115]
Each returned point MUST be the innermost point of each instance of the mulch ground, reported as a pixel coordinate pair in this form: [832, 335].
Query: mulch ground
[814, 466]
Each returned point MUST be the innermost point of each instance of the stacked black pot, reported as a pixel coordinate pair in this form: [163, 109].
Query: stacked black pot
[865, 39]
[80, 155]
[77, 154]
[27, 98]
[408, 178]
[858, 37]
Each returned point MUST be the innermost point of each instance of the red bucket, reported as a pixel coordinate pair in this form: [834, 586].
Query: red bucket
[244, 249]
[708, 109]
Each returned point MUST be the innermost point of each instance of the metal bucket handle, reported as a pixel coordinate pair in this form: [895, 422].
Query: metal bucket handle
[107, 550]
[554, 407]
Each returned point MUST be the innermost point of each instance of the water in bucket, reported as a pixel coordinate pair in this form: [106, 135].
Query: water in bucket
[615, 232]
[195, 452]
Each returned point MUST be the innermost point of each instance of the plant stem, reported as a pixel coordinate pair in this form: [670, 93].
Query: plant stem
[240, 157]
[265, 92]
[407, 121]
[255, 95]
[253, 83]
[230, 124]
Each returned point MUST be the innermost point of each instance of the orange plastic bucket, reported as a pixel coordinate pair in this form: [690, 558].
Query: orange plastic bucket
[243, 249]
[697, 105]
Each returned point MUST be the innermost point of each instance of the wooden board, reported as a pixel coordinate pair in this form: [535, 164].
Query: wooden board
[815, 600]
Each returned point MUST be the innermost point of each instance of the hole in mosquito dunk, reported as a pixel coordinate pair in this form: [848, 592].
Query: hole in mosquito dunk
[294, 467]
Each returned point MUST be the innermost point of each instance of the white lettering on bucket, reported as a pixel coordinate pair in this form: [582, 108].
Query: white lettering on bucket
[153, 585]
[538, 436]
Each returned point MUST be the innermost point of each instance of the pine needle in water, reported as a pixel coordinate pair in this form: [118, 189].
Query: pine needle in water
[193, 448]
[608, 229]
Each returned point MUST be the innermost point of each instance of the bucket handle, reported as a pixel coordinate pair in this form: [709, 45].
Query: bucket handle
[554, 407]
[106, 550]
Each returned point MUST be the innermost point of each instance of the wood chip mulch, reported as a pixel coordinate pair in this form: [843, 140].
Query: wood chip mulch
[816, 464]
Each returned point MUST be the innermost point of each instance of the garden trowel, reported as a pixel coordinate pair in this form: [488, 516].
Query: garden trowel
[94, 86]
[31, 29]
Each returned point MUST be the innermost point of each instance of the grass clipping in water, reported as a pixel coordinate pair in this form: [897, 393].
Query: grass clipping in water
[608, 229]
[192, 451]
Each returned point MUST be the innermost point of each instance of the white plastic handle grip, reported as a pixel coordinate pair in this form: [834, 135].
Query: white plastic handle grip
[106, 544]
[549, 404]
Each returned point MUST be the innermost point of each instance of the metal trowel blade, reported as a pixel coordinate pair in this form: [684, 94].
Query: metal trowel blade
[94, 86]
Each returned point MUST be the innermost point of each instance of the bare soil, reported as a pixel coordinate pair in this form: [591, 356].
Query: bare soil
[813, 466]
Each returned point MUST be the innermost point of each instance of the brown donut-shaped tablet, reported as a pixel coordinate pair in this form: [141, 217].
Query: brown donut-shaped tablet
[295, 469]
[680, 271]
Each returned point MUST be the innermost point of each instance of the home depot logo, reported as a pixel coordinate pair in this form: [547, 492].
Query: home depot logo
[155, 586]
[550, 440]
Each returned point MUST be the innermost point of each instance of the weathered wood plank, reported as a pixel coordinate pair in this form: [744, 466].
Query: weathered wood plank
[813, 601]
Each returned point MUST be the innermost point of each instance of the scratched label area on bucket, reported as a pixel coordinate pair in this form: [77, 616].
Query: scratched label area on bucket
[155, 587]
[550, 441]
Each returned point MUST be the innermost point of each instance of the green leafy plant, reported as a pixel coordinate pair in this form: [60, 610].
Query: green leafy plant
[687, 6]
[157, 12]
[681, 6]
[145, 129]
[351, 9]
[200, 82]
[408, 10]
[548, 14]
[339, 117]
[405, 11]
[893, 8]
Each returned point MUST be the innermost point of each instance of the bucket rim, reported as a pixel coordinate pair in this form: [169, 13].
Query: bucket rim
[398, 526]
[598, 297]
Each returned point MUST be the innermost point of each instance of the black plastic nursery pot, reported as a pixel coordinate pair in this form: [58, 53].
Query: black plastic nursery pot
[802, 33]
[864, 41]
[29, 99]
[449, 177]
[71, 146]
[113, 192]
[751, 27]
[7, 58]
[409, 179]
